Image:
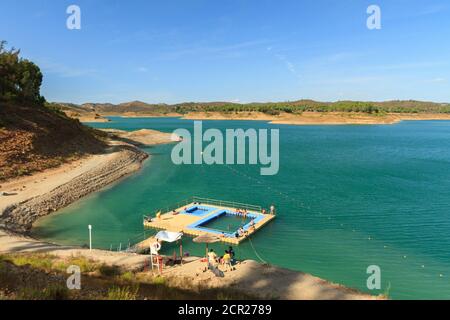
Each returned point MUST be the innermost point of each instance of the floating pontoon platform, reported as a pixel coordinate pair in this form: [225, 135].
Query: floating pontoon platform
[199, 216]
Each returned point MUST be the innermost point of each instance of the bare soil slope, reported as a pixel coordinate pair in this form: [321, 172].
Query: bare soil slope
[34, 138]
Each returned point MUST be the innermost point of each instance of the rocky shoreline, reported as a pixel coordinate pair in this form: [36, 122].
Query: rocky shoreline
[20, 217]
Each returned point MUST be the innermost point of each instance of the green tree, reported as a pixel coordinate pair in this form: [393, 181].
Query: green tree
[20, 79]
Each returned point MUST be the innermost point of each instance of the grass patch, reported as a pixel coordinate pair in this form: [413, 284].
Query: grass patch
[56, 292]
[85, 265]
[43, 262]
[30, 276]
[128, 276]
[160, 281]
[124, 293]
[49, 262]
[52, 292]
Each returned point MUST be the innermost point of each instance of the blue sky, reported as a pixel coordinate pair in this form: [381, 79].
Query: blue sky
[234, 50]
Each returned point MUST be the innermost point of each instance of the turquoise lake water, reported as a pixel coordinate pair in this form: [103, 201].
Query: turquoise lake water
[347, 197]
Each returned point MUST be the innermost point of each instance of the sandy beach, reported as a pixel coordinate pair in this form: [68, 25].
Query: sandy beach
[143, 137]
[37, 196]
[92, 119]
[269, 282]
[305, 118]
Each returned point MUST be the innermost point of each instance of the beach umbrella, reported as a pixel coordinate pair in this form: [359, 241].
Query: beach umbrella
[207, 238]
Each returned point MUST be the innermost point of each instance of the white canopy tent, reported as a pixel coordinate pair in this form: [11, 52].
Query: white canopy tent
[168, 236]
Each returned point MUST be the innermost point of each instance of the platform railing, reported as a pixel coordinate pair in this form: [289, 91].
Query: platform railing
[216, 202]
[223, 203]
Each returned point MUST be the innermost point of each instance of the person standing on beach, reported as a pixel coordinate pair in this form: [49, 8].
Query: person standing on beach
[231, 252]
[212, 257]
[227, 261]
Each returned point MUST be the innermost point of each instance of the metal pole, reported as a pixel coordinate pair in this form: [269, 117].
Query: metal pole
[181, 252]
[90, 237]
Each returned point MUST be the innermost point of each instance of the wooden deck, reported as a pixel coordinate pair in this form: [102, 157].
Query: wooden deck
[182, 221]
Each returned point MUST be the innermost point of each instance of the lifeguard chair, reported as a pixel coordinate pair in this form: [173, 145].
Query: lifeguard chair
[163, 236]
[155, 258]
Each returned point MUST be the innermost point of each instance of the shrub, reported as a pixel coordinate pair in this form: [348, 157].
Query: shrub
[56, 292]
[3, 271]
[109, 271]
[30, 293]
[52, 292]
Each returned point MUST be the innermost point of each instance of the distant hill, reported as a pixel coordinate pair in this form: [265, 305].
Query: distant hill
[142, 108]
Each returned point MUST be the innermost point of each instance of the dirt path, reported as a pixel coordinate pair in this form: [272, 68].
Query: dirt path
[10, 243]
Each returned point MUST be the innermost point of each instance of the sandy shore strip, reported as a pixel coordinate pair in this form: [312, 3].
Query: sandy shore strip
[33, 197]
[92, 119]
[14, 244]
[305, 118]
[143, 137]
[318, 118]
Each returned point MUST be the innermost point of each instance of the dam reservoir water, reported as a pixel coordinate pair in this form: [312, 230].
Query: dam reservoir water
[347, 197]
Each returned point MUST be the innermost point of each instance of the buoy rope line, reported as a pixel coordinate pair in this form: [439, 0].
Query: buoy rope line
[302, 205]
